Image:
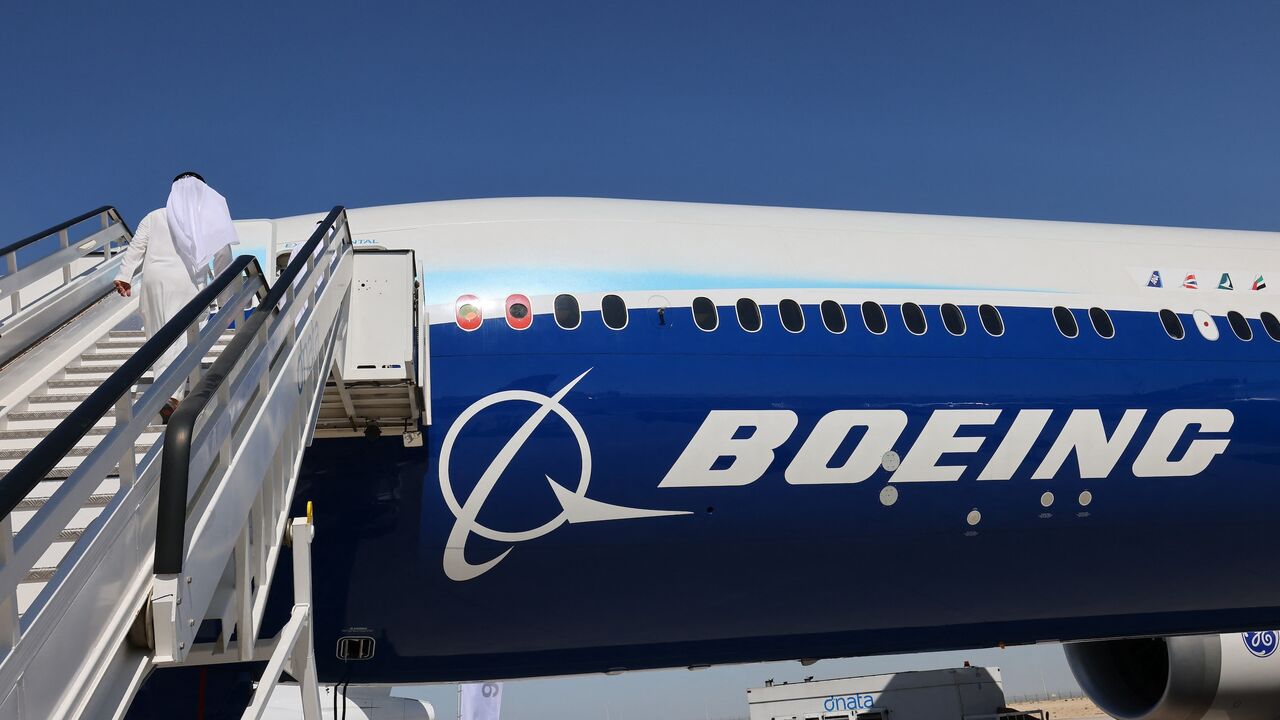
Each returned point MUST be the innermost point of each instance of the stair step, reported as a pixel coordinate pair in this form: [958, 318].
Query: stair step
[35, 503]
[134, 345]
[118, 358]
[95, 432]
[60, 398]
[40, 575]
[77, 451]
[106, 370]
[121, 334]
[46, 414]
[46, 424]
[104, 356]
[66, 465]
[91, 383]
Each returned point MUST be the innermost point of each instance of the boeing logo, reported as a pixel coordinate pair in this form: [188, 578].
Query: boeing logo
[737, 447]
[748, 440]
[575, 506]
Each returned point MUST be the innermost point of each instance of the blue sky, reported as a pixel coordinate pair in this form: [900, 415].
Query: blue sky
[1137, 112]
[1161, 113]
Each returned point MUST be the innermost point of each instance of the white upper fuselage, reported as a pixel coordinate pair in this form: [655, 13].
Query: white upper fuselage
[548, 245]
[543, 246]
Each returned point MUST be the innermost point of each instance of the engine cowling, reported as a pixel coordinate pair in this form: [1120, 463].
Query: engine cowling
[1234, 676]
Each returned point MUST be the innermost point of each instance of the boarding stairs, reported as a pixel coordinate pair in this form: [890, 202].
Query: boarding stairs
[31, 419]
[122, 538]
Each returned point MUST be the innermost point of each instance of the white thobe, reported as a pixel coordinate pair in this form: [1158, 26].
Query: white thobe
[166, 285]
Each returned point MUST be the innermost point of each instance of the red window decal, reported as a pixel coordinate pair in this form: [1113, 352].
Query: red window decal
[468, 312]
[519, 312]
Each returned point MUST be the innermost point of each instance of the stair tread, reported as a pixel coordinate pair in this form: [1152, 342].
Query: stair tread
[89, 382]
[45, 414]
[77, 451]
[131, 345]
[107, 369]
[40, 433]
[35, 503]
[62, 397]
[67, 464]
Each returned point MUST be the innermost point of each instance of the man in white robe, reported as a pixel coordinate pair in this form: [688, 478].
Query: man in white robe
[174, 245]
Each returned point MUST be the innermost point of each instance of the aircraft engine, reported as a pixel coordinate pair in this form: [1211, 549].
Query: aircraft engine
[1235, 676]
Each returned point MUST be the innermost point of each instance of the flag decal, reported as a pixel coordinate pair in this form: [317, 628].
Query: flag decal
[1190, 282]
[1225, 282]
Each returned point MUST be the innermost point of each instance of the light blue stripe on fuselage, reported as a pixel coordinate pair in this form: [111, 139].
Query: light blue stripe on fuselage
[445, 287]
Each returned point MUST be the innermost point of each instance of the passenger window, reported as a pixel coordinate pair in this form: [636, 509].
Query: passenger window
[519, 315]
[1066, 321]
[791, 315]
[1272, 325]
[873, 317]
[704, 314]
[748, 314]
[1102, 323]
[614, 311]
[991, 320]
[1240, 326]
[1172, 324]
[953, 319]
[467, 312]
[833, 316]
[913, 316]
[568, 315]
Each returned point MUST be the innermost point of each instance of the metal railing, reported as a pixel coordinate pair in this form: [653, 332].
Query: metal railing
[110, 558]
[233, 449]
[51, 289]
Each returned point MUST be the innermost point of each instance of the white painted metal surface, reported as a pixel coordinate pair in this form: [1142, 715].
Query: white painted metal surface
[380, 346]
[375, 384]
[245, 457]
[40, 290]
[76, 556]
[79, 566]
[295, 649]
[76, 574]
[541, 246]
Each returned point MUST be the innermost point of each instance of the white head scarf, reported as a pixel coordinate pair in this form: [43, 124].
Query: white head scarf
[199, 222]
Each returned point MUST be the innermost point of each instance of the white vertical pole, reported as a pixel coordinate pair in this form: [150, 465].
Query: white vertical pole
[15, 299]
[246, 633]
[304, 659]
[9, 627]
[129, 461]
[64, 242]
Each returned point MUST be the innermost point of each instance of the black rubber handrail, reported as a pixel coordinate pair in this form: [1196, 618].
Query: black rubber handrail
[175, 465]
[44, 457]
[63, 226]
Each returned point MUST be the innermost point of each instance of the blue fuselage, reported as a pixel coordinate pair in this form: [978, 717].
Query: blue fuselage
[778, 568]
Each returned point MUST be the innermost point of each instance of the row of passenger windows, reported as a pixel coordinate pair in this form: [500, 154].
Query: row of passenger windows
[613, 310]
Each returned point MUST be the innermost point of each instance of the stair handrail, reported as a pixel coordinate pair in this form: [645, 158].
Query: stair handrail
[171, 514]
[32, 469]
[52, 288]
[108, 210]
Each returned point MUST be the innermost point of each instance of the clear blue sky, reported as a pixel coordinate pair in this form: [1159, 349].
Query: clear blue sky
[1157, 112]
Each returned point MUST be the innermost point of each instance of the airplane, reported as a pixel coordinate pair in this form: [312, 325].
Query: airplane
[666, 434]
